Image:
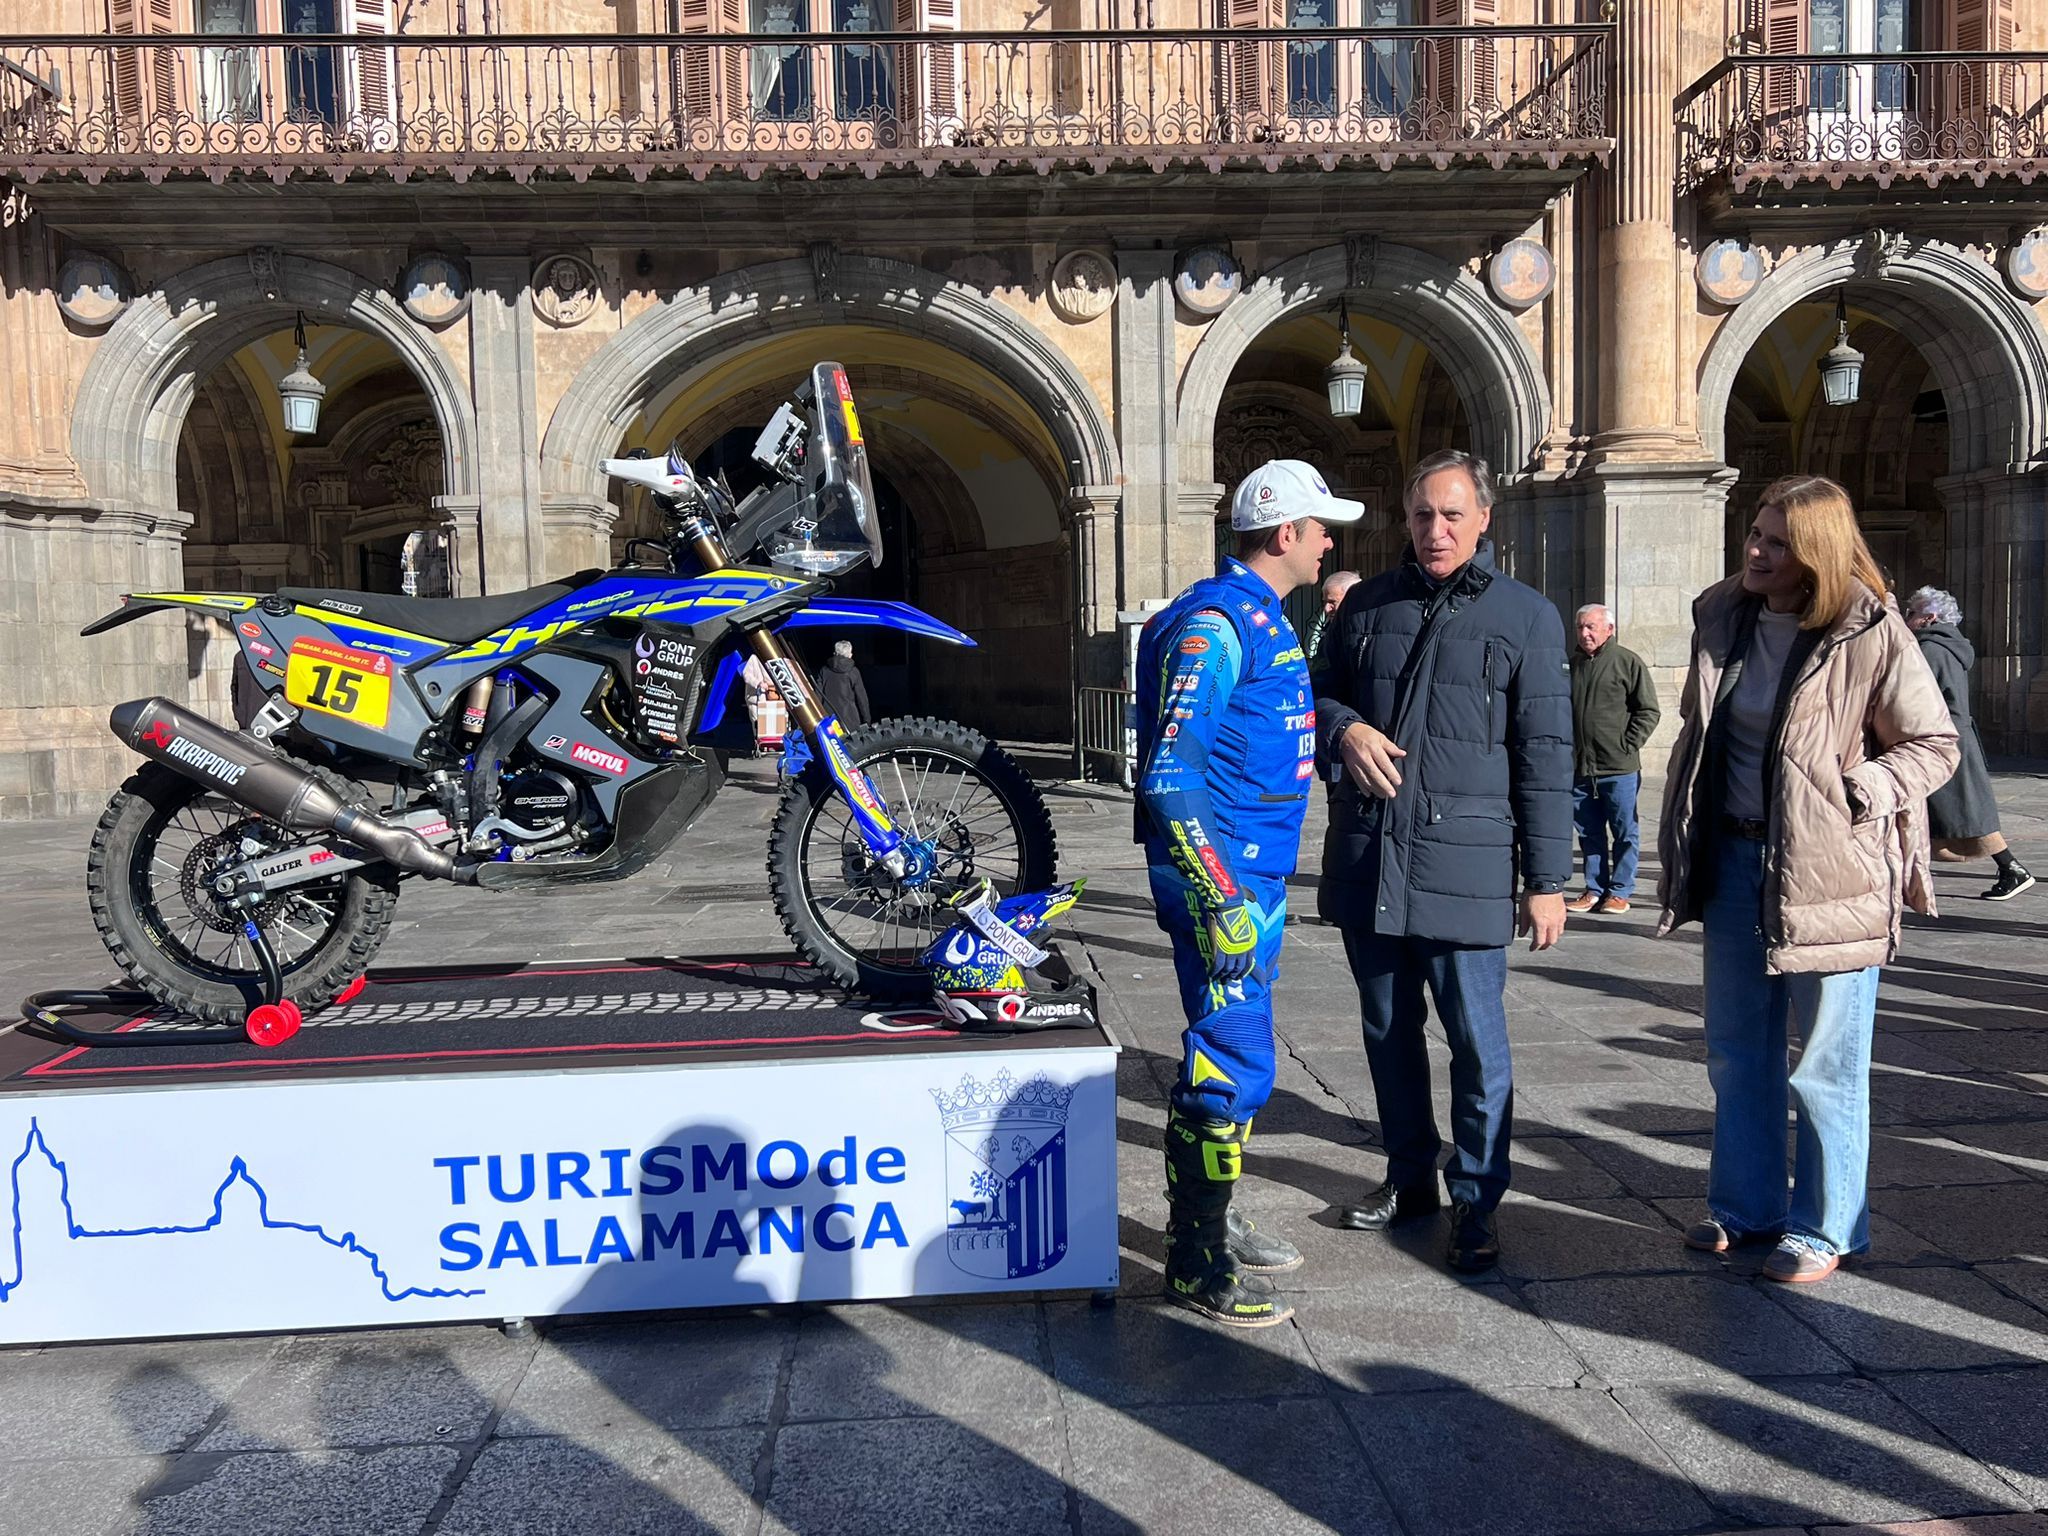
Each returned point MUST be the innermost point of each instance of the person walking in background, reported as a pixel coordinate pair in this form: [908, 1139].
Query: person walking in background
[1795, 831]
[845, 695]
[1614, 709]
[1335, 586]
[1962, 815]
[1444, 704]
[1226, 748]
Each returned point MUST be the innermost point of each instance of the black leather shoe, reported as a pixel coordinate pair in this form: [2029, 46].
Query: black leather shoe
[1384, 1206]
[1474, 1248]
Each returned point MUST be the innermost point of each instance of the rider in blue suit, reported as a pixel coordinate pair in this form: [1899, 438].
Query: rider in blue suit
[1226, 747]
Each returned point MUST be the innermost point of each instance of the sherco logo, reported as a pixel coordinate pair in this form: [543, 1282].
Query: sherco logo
[207, 762]
[610, 762]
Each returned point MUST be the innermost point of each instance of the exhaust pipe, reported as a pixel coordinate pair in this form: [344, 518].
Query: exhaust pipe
[249, 773]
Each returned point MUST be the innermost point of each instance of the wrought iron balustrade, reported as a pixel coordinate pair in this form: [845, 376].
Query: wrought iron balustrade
[225, 106]
[1886, 116]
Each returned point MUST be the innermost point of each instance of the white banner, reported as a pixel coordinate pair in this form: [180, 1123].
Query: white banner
[336, 1203]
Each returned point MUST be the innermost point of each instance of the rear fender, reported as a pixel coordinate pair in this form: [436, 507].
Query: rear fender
[135, 604]
[850, 612]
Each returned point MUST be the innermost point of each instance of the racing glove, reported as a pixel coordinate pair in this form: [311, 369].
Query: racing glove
[1233, 941]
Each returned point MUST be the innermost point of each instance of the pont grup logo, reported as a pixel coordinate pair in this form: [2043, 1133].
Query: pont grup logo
[1006, 1174]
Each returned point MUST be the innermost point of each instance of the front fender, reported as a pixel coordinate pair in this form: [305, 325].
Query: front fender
[845, 612]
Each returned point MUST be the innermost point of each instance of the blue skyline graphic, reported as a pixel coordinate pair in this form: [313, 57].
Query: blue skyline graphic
[238, 1171]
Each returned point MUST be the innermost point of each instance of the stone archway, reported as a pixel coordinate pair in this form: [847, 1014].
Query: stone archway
[1989, 354]
[1986, 348]
[1497, 376]
[699, 324]
[140, 383]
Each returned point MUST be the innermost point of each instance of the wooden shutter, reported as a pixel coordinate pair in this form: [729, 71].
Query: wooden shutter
[711, 82]
[1980, 26]
[1784, 32]
[930, 95]
[145, 79]
[372, 66]
[1254, 70]
[1463, 76]
[1484, 67]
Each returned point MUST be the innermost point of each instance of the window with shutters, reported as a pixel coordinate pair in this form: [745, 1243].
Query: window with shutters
[146, 79]
[1389, 66]
[1251, 69]
[929, 80]
[863, 75]
[1312, 62]
[709, 84]
[1462, 71]
[779, 75]
[312, 76]
[228, 86]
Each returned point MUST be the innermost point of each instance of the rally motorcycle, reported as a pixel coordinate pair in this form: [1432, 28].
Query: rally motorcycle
[566, 733]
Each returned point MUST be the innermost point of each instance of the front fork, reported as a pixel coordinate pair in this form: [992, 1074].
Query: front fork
[821, 733]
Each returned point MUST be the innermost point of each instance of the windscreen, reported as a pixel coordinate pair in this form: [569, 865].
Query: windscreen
[838, 525]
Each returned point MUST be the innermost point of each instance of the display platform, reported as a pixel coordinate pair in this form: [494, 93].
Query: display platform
[488, 1143]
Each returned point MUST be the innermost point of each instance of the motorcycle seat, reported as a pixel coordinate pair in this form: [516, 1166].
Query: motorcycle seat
[457, 620]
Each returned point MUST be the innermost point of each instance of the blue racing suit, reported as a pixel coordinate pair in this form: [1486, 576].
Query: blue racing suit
[1226, 753]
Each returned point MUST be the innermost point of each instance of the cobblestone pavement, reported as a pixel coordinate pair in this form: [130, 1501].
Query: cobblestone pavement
[1606, 1380]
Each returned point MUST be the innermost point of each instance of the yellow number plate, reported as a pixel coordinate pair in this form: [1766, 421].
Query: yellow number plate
[338, 680]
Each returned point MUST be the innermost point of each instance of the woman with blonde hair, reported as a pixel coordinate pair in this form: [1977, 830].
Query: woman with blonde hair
[1795, 829]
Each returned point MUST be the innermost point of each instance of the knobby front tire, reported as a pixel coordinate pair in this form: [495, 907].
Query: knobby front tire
[944, 785]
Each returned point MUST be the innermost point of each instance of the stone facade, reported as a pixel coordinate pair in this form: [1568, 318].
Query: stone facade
[1056, 426]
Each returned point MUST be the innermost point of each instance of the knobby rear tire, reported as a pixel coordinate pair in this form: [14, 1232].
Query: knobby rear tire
[145, 949]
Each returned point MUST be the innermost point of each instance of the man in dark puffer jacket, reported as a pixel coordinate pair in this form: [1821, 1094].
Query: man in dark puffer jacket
[1443, 708]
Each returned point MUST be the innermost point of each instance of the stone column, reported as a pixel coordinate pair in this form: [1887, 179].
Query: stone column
[462, 516]
[513, 551]
[1147, 425]
[1998, 570]
[1639, 244]
[578, 532]
[1654, 539]
[1093, 509]
[62, 565]
[1656, 548]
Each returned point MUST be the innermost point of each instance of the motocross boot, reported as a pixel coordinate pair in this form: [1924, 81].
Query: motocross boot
[1263, 1253]
[1202, 1162]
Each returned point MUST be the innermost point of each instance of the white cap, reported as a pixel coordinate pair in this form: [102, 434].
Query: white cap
[1282, 490]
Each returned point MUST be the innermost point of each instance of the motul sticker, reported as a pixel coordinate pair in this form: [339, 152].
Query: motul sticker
[610, 762]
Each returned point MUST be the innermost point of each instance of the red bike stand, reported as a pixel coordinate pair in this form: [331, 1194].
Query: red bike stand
[269, 1024]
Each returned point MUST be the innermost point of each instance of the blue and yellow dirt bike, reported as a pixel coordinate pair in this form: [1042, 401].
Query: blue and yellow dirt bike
[566, 733]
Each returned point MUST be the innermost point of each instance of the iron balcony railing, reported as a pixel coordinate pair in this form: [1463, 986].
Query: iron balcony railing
[230, 106]
[1886, 116]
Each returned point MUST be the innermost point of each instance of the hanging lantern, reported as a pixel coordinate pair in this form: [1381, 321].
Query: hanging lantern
[1841, 371]
[301, 392]
[1345, 378]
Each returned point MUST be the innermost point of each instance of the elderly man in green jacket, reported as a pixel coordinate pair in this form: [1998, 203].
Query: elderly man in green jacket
[1614, 709]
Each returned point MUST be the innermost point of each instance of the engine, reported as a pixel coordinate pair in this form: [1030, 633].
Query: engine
[537, 802]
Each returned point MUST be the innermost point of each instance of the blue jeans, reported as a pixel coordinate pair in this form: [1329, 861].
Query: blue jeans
[1750, 1016]
[1609, 837]
[1468, 986]
[1226, 1069]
